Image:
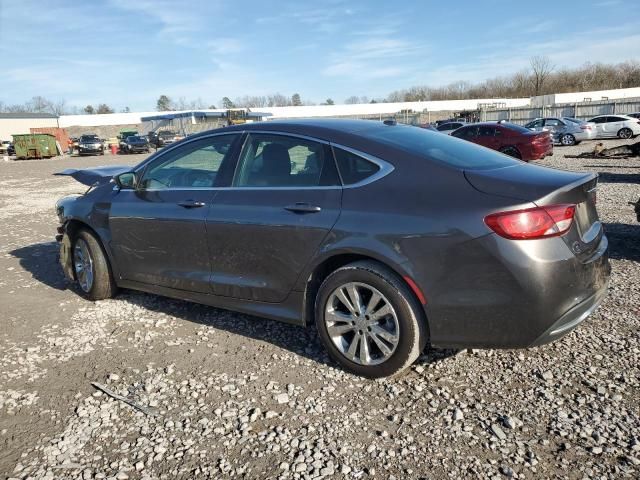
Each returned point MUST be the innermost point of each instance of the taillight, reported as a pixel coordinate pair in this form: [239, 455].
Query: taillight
[585, 127]
[539, 222]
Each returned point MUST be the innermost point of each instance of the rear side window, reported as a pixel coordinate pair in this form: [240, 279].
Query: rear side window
[441, 148]
[283, 161]
[353, 168]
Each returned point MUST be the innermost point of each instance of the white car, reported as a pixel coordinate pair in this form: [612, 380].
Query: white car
[621, 126]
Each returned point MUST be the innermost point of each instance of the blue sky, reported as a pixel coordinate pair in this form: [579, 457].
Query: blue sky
[128, 52]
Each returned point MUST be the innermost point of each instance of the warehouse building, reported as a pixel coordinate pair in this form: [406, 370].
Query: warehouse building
[16, 123]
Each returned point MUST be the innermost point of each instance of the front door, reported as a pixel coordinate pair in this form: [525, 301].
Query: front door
[284, 200]
[158, 230]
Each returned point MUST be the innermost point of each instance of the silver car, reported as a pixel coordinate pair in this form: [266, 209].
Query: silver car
[611, 126]
[564, 130]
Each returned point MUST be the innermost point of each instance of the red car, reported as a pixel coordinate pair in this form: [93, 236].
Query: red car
[508, 138]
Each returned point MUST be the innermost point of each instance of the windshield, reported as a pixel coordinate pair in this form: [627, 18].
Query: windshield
[442, 148]
[89, 139]
[136, 138]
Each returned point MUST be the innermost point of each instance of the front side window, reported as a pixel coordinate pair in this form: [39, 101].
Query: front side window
[553, 122]
[353, 168]
[194, 165]
[269, 160]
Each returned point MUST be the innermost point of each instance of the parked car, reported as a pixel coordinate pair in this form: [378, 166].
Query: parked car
[7, 148]
[621, 126]
[508, 138]
[634, 115]
[90, 144]
[163, 138]
[450, 127]
[564, 130]
[134, 144]
[387, 236]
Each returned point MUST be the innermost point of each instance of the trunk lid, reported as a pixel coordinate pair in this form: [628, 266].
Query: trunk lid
[547, 186]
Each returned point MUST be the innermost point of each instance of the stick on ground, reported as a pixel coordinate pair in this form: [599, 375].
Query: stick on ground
[146, 410]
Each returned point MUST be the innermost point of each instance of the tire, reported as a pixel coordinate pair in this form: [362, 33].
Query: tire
[512, 152]
[401, 331]
[91, 267]
[625, 133]
[567, 140]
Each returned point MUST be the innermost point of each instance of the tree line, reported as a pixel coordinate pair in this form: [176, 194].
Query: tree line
[541, 77]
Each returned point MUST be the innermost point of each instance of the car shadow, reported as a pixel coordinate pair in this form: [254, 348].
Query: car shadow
[303, 341]
[41, 260]
[624, 241]
[607, 177]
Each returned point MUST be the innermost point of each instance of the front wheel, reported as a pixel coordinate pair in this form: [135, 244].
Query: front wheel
[625, 133]
[369, 320]
[91, 267]
[567, 140]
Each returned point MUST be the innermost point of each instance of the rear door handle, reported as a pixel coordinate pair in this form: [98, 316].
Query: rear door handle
[302, 208]
[191, 204]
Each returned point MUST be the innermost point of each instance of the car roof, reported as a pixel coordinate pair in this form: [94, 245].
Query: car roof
[315, 127]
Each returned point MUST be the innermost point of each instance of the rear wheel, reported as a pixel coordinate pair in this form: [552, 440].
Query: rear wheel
[512, 152]
[91, 267]
[369, 320]
[625, 133]
[567, 140]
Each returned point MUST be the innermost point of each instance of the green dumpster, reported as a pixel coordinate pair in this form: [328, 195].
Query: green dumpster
[35, 145]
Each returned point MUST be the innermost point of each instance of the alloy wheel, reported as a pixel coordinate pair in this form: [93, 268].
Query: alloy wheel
[83, 265]
[362, 323]
[567, 140]
[625, 133]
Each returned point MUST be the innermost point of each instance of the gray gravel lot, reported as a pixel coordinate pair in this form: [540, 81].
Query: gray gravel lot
[243, 397]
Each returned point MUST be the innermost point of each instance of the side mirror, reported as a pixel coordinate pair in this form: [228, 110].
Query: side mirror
[126, 181]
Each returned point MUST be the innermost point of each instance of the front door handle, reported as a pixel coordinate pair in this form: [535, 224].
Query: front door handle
[301, 207]
[191, 204]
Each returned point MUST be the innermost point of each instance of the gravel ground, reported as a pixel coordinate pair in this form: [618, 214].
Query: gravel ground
[237, 396]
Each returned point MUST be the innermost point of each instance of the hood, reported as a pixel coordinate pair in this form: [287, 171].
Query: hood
[93, 176]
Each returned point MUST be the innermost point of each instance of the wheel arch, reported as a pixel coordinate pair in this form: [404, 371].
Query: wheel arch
[324, 267]
[73, 225]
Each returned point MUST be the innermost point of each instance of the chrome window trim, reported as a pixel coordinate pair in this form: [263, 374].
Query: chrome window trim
[385, 167]
[166, 150]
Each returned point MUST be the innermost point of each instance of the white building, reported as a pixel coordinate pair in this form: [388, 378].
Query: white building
[17, 123]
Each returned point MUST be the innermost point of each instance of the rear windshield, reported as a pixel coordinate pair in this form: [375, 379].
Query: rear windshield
[515, 128]
[442, 148]
[573, 120]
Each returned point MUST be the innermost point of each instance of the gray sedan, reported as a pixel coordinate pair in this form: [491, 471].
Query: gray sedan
[386, 237]
[564, 130]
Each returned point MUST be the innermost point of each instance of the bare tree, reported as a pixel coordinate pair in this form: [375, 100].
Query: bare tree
[40, 104]
[278, 100]
[352, 100]
[58, 108]
[541, 68]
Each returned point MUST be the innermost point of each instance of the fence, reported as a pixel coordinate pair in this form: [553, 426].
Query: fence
[581, 110]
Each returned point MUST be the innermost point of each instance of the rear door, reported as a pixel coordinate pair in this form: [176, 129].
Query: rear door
[487, 137]
[158, 231]
[600, 124]
[283, 202]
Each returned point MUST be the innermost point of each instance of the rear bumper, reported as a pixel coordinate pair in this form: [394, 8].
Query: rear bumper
[574, 317]
[515, 294]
